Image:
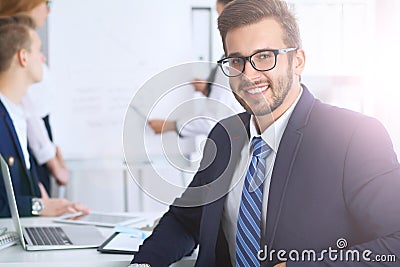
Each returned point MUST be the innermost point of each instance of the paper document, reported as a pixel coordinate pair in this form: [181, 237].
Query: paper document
[125, 240]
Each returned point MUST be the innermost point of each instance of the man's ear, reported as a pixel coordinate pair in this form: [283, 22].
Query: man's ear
[299, 61]
[22, 56]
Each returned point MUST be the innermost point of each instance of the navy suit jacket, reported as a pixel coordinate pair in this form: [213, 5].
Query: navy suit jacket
[25, 182]
[336, 175]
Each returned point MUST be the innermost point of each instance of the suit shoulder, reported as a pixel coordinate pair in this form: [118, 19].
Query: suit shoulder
[330, 113]
[237, 123]
[343, 125]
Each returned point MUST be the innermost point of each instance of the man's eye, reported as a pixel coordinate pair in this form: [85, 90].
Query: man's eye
[235, 61]
[263, 56]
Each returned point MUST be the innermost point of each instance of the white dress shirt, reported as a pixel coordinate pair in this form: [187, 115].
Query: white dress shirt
[36, 106]
[272, 136]
[220, 104]
[19, 121]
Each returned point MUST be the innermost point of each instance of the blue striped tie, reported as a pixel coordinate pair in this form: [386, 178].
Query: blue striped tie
[248, 233]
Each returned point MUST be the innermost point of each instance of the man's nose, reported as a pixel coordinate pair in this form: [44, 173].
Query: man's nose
[249, 71]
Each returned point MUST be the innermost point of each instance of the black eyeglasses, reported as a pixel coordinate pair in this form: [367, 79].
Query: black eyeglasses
[48, 3]
[264, 60]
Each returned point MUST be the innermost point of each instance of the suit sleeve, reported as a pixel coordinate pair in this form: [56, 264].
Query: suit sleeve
[177, 233]
[175, 236]
[170, 241]
[371, 186]
[371, 189]
[24, 203]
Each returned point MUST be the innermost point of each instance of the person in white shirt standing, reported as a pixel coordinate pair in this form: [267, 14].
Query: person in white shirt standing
[21, 65]
[221, 102]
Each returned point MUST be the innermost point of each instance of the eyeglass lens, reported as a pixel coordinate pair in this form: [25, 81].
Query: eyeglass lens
[264, 60]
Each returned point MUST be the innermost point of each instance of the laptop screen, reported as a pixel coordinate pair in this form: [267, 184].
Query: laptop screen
[11, 198]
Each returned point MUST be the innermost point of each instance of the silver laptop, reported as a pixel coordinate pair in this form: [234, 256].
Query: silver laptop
[48, 237]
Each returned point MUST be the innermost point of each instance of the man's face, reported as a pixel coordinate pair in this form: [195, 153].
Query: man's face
[219, 7]
[35, 58]
[260, 93]
[39, 14]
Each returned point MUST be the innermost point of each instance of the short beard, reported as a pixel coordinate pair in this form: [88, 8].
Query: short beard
[281, 91]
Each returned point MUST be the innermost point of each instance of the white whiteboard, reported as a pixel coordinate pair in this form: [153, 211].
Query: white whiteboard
[100, 53]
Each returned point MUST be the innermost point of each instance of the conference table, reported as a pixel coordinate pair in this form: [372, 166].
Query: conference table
[16, 256]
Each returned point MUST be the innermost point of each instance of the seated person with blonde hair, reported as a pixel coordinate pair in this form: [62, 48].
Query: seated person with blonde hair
[21, 65]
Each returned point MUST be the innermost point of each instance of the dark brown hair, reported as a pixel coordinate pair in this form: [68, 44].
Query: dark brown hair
[246, 12]
[18, 19]
[14, 36]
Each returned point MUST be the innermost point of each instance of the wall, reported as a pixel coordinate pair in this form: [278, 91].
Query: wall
[102, 52]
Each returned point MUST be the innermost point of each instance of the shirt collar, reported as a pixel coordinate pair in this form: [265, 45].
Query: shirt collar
[273, 134]
[14, 110]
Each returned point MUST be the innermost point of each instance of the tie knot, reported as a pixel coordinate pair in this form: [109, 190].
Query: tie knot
[260, 147]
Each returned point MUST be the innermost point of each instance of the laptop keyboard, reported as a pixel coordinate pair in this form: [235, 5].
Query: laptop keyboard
[53, 236]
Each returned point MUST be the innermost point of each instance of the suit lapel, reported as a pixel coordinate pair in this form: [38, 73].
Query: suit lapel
[236, 134]
[14, 136]
[230, 145]
[289, 145]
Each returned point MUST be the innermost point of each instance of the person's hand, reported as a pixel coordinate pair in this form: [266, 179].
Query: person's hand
[58, 206]
[61, 175]
[282, 264]
[58, 170]
[43, 191]
[60, 157]
[200, 86]
[162, 126]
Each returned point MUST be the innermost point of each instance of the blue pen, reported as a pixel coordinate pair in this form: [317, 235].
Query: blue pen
[138, 235]
[135, 233]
